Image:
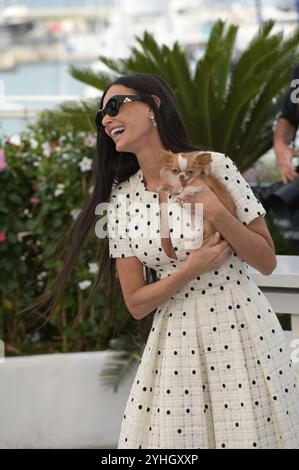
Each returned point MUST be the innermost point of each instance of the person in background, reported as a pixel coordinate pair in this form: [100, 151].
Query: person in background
[285, 132]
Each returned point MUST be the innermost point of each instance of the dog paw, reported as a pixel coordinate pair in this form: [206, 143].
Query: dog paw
[177, 188]
[180, 200]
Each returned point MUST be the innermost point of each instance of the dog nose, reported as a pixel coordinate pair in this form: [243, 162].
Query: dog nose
[181, 177]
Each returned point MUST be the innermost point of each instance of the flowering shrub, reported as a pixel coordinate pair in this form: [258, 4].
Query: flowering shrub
[45, 174]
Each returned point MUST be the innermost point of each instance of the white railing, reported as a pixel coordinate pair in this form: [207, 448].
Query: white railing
[282, 288]
[282, 291]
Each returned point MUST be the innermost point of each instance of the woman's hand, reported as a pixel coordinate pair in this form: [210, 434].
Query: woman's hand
[210, 256]
[284, 159]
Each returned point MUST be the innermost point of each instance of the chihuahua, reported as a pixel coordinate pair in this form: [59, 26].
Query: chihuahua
[184, 174]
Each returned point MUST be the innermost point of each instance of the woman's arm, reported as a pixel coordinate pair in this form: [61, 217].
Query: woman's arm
[252, 243]
[247, 233]
[282, 137]
[142, 299]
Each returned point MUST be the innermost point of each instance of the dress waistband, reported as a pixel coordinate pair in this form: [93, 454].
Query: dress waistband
[211, 285]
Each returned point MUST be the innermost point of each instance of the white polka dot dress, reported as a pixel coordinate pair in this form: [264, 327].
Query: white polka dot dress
[215, 372]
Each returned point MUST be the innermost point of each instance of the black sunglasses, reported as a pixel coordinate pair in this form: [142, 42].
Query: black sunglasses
[113, 105]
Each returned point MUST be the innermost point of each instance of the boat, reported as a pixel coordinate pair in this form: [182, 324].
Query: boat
[16, 19]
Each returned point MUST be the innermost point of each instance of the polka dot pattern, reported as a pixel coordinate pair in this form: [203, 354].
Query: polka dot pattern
[215, 371]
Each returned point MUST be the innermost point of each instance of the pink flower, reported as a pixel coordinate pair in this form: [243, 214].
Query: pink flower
[89, 140]
[34, 200]
[3, 163]
[2, 237]
[34, 186]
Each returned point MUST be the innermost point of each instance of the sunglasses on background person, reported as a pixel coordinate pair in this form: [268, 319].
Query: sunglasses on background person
[113, 105]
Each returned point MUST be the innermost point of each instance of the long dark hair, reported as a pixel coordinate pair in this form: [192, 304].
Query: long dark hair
[111, 167]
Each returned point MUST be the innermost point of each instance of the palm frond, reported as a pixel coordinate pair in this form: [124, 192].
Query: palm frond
[80, 114]
[89, 77]
[126, 354]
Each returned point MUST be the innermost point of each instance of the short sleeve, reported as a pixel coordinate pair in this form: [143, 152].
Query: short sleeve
[117, 223]
[248, 207]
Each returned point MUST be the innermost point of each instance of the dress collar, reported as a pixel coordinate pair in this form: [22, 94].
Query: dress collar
[141, 185]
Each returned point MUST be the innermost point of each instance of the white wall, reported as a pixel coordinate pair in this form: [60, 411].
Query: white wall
[57, 401]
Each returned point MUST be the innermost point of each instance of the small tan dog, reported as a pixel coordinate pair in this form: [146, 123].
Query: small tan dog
[184, 174]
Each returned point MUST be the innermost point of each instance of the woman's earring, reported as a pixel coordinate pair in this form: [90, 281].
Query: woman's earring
[154, 120]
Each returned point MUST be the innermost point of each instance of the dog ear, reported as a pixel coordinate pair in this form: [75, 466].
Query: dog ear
[164, 156]
[202, 161]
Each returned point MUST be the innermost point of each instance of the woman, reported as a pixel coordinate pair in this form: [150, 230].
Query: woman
[215, 371]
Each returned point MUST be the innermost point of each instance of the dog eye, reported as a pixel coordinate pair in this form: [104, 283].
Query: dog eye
[174, 171]
[189, 173]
